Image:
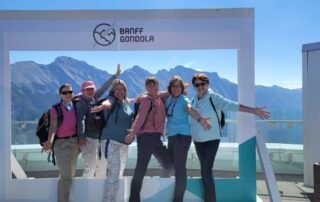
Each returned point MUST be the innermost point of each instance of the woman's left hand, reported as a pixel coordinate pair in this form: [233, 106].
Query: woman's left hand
[204, 122]
[260, 111]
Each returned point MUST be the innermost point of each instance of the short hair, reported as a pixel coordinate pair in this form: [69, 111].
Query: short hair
[63, 86]
[151, 79]
[172, 81]
[200, 76]
[114, 85]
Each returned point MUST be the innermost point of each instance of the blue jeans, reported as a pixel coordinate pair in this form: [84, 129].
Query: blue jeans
[149, 144]
[206, 152]
[178, 148]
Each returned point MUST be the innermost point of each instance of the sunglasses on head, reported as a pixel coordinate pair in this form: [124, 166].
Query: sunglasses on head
[197, 85]
[66, 92]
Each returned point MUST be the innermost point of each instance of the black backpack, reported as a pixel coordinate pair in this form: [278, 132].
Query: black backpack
[99, 119]
[136, 110]
[42, 131]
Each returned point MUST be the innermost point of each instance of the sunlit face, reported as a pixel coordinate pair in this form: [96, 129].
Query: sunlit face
[152, 88]
[66, 94]
[119, 92]
[201, 87]
[176, 89]
[88, 93]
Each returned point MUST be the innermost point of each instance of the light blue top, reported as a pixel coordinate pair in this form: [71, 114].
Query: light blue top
[177, 117]
[119, 121]
[205, 109]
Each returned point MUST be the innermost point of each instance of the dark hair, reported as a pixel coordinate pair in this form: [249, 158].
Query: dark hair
[115, 83]
[200, 76]
[172, 81]
[63, 86]
[151, 79]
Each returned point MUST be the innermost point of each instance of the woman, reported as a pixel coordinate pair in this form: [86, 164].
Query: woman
[207, 141]
[87, 129]
[178, 108]
[118, 120]
[148, 127]
[66, 147]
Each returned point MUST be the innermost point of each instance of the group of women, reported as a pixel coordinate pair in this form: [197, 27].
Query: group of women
[203, 127]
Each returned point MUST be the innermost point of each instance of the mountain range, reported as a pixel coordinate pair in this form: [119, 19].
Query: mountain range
[35, 86]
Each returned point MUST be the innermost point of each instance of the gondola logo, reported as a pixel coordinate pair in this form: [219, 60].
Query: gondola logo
[104, 34]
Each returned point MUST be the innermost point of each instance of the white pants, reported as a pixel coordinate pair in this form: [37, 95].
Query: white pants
[117, 157]
[89, 155]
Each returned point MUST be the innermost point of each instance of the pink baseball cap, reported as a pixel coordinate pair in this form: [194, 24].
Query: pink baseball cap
[87, 84]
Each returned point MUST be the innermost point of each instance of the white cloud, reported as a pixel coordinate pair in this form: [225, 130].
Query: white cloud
[190, 64]
[291, 84]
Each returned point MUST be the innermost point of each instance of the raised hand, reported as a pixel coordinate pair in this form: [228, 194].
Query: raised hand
[118, 72]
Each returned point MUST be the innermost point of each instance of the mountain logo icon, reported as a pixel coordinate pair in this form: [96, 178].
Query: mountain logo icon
[104, 34]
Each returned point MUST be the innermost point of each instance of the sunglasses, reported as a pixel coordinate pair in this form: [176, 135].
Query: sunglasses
[197, 85]
[66, 92]
[88, 89]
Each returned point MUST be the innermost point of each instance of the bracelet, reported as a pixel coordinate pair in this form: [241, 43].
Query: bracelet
[199, 119]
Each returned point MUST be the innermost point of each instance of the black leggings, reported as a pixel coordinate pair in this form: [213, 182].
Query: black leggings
[206, 152]
[149, 144]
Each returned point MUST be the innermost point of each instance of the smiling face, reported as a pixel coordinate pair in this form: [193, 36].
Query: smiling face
[176, 89]
[88, 93]
[118, 89]
[119, 92]
[152, 88]
[201, 87]
[66, 94]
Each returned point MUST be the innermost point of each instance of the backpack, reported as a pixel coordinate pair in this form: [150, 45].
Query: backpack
[136, 110]
[43, 126]
[42, 131]
[99, 119]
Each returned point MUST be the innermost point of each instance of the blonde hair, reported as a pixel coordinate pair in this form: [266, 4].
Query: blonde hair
[114, 85]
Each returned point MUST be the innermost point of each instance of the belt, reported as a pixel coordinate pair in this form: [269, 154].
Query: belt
[68, 137]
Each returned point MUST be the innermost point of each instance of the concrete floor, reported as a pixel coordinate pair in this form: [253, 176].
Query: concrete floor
[291, 187]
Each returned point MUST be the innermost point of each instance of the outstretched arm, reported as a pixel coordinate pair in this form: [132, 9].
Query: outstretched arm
[258, 111]
[108, 83]
[104, 105]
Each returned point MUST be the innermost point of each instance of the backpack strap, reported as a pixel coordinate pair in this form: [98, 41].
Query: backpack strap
[214, 108]
[59, 114]
[59, 121]
[150, 109]
[111, 111]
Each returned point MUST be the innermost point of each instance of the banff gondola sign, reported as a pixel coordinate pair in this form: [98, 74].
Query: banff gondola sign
[104, 34]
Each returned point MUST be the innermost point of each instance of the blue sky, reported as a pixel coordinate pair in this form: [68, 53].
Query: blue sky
[281, 27]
